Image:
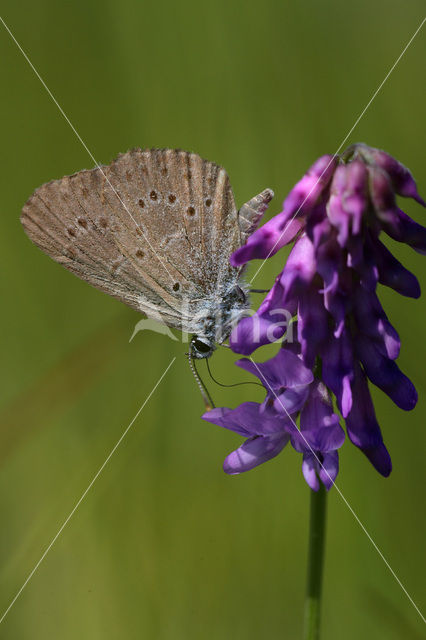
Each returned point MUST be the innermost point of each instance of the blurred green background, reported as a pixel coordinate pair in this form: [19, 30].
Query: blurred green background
[165, 545]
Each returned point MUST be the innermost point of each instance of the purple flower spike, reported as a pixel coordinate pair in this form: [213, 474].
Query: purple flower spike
[327, 289]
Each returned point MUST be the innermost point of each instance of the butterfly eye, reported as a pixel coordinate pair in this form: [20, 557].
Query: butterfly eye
[201, 349]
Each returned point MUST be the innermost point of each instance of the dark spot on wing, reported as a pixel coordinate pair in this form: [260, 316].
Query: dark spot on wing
[153, 195]
[172, 198]
[176, 286]
[208, 202]
[140, 253]
[190, 211]
[141, 203]
[82, 222]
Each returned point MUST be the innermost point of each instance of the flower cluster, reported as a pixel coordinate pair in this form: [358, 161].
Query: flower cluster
[334, 215]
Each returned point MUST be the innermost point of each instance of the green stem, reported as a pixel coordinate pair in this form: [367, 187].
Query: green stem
[315, 563]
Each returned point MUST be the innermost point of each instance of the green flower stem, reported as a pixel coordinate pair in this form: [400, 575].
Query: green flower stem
[315, 563]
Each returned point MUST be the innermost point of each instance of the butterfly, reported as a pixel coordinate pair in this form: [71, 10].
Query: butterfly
[154, 229]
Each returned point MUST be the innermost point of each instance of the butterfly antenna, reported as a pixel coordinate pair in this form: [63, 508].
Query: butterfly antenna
[235, 384]
[208, 402]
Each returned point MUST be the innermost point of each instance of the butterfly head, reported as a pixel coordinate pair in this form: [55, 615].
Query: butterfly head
[201, 347]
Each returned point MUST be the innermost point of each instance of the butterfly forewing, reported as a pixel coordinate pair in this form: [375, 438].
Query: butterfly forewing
[153, 229]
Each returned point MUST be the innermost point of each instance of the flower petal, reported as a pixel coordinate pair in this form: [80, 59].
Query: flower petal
[373, 322]
[268, 324]
[338, 299]
[312, 325]
[329, 257]
[253, 452]
[309, 470]
[355, 197]
[380, 459]
[338, 217]
[329, 469]
[324, 468]
[305, 194]
[283, 370]
[385, 374]
[318, 415]
[402, 180]
[250, 418]
[244, 420]
[363, 428]
[319, 425]
[300, 267]
[337, 369]
[290, 401]
[268, 239]
[402, 228]
[391, 272]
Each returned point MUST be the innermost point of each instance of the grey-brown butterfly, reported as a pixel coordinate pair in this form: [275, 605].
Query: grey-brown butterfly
[154, 229]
